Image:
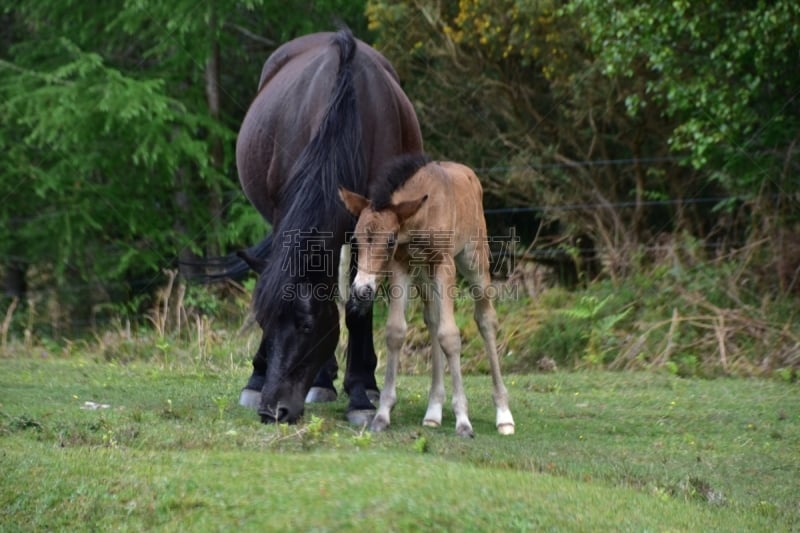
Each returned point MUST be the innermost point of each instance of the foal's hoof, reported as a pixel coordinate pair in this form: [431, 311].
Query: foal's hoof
[250, 398]
[320, 395]
[379, 423]
[465, 430]
[361, 417]
[505, 429]
[428, 423]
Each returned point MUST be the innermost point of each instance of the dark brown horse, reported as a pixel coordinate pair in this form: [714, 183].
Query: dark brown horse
[328, 113]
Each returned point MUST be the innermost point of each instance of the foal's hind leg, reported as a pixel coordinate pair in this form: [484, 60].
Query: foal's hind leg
[477, 274]
[436, 395]
[486, 318]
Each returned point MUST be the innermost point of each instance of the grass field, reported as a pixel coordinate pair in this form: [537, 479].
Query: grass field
[593, 451]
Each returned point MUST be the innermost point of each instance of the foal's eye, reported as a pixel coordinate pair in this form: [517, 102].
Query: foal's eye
[391, 241]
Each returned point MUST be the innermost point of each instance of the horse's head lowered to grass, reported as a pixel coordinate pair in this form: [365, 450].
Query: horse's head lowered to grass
[298, 337]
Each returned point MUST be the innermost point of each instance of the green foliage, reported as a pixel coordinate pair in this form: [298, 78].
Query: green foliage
[421, 445]
[596, 327]
[117, 124]
[594, 103]
[94, 142]
[724, 70]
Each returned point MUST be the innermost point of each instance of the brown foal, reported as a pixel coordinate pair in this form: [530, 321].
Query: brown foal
[431, 225]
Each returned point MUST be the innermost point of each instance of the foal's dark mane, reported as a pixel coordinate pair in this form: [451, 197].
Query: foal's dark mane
[313, 215]
[393, 175]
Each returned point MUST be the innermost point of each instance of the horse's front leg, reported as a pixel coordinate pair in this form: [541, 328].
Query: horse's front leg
[323, 389]
[251, 393]
[450, 341]
[395, 336]
[359, 379]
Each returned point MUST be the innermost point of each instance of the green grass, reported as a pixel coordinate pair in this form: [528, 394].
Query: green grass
[593, 451]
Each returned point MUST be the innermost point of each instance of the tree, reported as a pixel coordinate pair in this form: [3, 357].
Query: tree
[117, 124]
[510, 87]
[724, 71]
[666, 107]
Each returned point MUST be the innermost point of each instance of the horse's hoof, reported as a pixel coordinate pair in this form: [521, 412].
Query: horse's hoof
[361, 417]
[428, 423]
[320, 395]
[250, 398]
[374, 396]
[379, 423]
[505, 429]
[465, 430]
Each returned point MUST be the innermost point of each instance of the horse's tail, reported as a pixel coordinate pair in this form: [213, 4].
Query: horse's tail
[333, 158]
[235, 266]
[345, 122]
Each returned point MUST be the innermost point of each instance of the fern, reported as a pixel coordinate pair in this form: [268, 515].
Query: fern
[597, 330]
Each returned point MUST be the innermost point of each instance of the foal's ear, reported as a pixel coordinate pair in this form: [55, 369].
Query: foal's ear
[407, 209]
[354, 202]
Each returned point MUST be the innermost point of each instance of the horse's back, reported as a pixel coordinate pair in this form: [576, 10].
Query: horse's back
[312, 42]
[294, 92]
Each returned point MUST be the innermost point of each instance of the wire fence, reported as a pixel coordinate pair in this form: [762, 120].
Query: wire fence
[582, 164]
[671, 202]
[234, 194]
[609, 205]
[85, 290]
[74, 290]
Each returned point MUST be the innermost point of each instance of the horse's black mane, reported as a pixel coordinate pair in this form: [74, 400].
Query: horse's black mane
[393, 175]
[315, 222]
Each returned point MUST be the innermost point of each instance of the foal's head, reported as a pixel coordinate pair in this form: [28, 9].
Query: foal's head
[376, 236]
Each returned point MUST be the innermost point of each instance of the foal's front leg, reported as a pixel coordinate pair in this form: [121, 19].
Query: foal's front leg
[395, 336]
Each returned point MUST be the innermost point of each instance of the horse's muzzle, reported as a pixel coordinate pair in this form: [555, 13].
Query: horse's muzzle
[281, 415]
